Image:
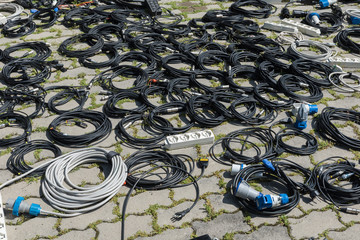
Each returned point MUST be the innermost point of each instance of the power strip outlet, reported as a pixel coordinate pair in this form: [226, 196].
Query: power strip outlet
[189, 139]
[279, 27]
[306, 29]
[344, 62]
[3, 235]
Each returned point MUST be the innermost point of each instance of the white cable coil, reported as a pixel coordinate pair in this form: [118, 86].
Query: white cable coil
[344, 85]
[325, 54]
[15, 10]
[287, 38]
[78, 200]
[353, 12]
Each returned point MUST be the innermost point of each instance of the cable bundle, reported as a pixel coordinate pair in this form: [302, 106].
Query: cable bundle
[327, 129]
[15, 120]
[100, 122]
[276, 177]
[330, 18]
[310, 146]
[17, 164]
[330, 174]
[264, 11]
[343, 39]
[241, 138]
[41, 49]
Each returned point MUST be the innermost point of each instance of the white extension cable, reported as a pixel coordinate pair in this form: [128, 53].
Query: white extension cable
[14, 8]
[287, 38]
[342, 84]
[78, 200]
[325, 54]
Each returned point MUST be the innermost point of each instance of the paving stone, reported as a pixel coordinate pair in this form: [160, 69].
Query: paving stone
[105, 213]
[141, 202]
[350, 233]
[312, 229]
[165, 215]
[22, 189]
[225, 223]
[266, 232]
[86, 234]
[173, 234]
[133, 224]
[44, 227]
[226, 202]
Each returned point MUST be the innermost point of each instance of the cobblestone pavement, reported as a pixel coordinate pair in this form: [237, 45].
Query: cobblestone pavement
[149, 213]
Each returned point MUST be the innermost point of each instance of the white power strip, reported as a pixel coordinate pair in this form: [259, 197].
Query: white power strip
[344, 62]
[306, 29]
[3, 235]
[279, 27]
[189, 139]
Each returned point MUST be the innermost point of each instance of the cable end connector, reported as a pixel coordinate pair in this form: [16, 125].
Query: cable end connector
[179, 215]
[204, 162]
[350, 210]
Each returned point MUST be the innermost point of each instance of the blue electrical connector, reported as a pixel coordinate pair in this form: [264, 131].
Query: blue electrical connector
[20, 206]
[269, 201]
[326, 3]
[301, 112]
[269, 165]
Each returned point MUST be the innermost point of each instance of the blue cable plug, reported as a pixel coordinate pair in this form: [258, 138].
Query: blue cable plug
[20, 206]
[269, 165]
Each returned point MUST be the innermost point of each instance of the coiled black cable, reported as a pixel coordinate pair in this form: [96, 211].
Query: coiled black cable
[168, 108]
[344, 41]
[305, 68]
[264, 9]
[262, 89]
[18, 28]
[199, 110]
[68, 93]
[112, 109]
[107, 78]
[95, 42]
[231, 155]
[258, 173]
[310, 146]
[325, 126]
[16, 162]
[24, 76]
[136, 141]
[41, 49]
[293, 86]
[15, 120]
[110, 53]
[82, 119]
[329, 175]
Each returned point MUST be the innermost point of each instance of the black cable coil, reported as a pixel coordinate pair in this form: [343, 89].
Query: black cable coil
[81, 119]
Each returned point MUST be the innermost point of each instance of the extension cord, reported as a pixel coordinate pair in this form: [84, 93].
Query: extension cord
[279, 27]
[344, 62]
[306, 29]
[3, 235]
[189, 139]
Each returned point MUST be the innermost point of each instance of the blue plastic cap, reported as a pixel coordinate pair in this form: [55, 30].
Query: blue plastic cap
[56, 9]
[263, 201]
[354, 20]
[34, 210]
[314, 14]
[300, 125]
[33, 10]
[284, 198]
[313, 109]
[268, 164]
[237, 187]
[17, 205]
[324, 3]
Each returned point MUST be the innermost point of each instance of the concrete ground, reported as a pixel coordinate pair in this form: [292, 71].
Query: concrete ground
[149, 213]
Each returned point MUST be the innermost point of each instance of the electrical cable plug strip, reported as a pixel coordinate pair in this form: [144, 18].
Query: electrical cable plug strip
[79, 200]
